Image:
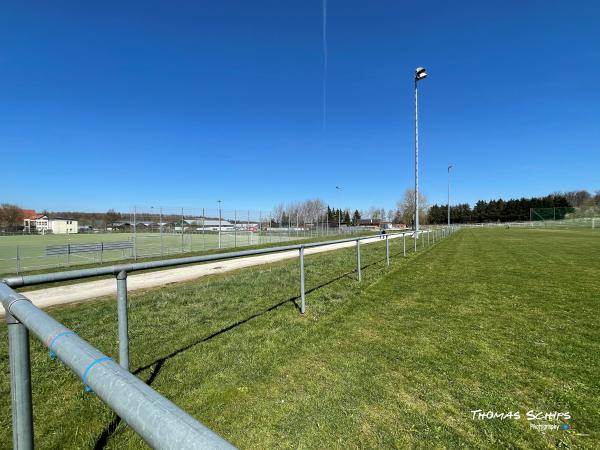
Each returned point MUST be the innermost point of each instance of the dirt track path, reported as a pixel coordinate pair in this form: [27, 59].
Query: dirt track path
[100, 288]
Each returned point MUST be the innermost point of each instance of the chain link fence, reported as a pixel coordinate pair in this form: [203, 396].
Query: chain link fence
[565, 217]
[148, 232]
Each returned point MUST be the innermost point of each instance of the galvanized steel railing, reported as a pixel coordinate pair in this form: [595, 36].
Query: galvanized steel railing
[157, 420]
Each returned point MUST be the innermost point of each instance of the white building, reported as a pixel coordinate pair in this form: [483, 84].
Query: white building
[35, 223]
[41, 224]
[209, 224]
[64, 226]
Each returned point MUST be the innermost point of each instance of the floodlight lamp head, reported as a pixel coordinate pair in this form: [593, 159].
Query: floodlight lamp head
[420, 73]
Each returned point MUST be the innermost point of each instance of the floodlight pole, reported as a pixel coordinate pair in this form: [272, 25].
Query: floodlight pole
[419, 75]
[416, 160]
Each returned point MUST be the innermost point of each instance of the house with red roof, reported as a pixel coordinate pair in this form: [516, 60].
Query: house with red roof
[42, 224]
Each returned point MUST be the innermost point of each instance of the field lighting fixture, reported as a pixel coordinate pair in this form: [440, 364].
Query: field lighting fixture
[420, 74]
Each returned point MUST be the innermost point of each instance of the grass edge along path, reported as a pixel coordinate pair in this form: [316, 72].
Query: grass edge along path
[89, 321]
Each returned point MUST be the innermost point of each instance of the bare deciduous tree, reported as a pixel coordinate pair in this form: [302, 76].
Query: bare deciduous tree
[406, 207]
[11, 217]
[111, 217]
[307, 211]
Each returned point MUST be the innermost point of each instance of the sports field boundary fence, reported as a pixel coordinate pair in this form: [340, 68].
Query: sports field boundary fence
[155, 419]
[160, 232]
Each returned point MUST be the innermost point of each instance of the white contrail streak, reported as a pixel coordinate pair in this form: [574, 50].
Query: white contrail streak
[324, 64]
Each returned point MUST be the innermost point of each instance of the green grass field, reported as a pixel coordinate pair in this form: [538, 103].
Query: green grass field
[32, 248]
[500, 320]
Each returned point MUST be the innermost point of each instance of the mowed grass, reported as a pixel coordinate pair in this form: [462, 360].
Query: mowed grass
[493, 319]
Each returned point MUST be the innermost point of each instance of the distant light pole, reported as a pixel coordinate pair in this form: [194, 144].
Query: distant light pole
[419, 75]
[339, 189]
[449, 168]
[219, 201]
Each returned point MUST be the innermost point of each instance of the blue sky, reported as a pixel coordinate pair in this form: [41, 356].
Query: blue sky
[111, 104]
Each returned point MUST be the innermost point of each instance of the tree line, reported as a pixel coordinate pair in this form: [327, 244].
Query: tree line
[317, 212]
[512, 210]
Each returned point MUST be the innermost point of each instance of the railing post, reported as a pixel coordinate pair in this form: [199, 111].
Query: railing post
[404, 243]
[358, 260]
[387, 249]
[302, 302]
[428, 233]
[415, 235]
[122, 319]
[20, 383]
[18, 260]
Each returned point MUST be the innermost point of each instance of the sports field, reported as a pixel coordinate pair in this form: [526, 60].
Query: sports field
[501, 320]
[31, 249]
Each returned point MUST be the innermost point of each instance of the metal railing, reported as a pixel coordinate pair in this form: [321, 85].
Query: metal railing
[157, 420]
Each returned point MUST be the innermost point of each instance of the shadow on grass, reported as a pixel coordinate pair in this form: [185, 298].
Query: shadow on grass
[157, 364]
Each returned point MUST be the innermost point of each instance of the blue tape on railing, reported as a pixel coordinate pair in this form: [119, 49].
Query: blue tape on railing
[54, 339]
[87, 369]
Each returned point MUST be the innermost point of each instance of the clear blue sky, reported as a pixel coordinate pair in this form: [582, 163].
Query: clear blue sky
[110, 104]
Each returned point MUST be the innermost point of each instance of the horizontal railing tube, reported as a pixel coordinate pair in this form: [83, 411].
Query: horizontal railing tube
[157, 420]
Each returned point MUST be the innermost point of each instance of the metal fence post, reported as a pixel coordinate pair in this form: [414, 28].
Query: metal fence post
[160, 229]
[428, 233]
[404, 243]
[20, 383]
[18, 260]
[415, 240]
[203, 228]
[358, 260]
[135, 233]
[182, 230]
[122, 319]
[387, 249]
[302, 300]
